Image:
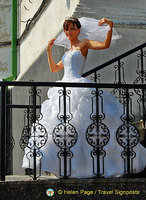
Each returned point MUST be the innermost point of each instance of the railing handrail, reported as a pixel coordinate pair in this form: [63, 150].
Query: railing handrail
[114, 60]
[33, 105]
[70, 84]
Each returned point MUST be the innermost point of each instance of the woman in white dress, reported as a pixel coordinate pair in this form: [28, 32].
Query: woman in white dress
[79, 158]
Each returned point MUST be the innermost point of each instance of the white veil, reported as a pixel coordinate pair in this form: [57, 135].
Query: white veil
[89, 30]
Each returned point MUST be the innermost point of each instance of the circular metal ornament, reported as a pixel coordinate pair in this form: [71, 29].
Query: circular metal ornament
[97, 135]
[34, 137]
[127, 134]
[65, 135]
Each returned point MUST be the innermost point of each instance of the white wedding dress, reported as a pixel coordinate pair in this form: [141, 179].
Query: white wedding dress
[80, 164]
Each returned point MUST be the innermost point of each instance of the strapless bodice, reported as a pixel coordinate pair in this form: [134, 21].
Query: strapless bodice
[73, 62]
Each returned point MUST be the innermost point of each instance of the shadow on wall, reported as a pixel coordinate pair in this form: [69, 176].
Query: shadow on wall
[68, 4]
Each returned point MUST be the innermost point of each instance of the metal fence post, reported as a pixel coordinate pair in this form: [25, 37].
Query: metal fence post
[2, 134]
[65, 151]
[34, 121]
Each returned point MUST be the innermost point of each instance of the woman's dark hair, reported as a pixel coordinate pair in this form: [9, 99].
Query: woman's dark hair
[72, 20]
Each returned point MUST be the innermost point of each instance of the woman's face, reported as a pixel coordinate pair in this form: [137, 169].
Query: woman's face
[72, 32]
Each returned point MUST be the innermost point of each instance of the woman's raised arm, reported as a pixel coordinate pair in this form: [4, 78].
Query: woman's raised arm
[53, 66]
[101, 45]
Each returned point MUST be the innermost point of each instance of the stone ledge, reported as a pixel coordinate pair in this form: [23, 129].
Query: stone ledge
[77, 189]
[14, 179]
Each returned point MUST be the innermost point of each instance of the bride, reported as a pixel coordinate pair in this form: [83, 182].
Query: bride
[76, 155]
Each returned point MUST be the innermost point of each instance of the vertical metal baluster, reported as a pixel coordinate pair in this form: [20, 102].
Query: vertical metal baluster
[97, 121]
[119, 78]
[65, 151]
[128, 120]
[3, 133]
[142, 69]
[119, 72]
[28, 120]
[34, 121]
[143, 94]
[144, 113]
[142, 81]
[95, 77]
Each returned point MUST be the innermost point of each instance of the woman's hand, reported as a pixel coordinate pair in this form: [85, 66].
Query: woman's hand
[105, 21]
[50, 44]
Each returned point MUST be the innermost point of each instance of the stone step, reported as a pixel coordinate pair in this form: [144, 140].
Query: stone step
[111, 7]
[111, 11]
[130, 3]
[75, 189]
[115, 19]
[119, 16]
[121, 12]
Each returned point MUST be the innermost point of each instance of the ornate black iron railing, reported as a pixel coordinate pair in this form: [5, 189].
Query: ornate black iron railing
[65, 135]
[119, 70]
[135, 69]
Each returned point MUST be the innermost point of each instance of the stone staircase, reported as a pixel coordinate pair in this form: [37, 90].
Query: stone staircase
[123, 12]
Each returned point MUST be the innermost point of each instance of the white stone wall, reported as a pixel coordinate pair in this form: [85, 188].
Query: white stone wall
[5, 35]
[46, 28]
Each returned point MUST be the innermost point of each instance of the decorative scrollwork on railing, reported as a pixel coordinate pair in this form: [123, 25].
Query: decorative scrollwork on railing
[140, 68]
[64, 134]
[96, 104]
[68, 116]
[128, 137]
[96, 77]
[34, 135]
[119, 79]
[127, 117]
[127, 134]
[141, 79]
[127, 102]
[97, 133]
[119, 73]
[25, 136]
